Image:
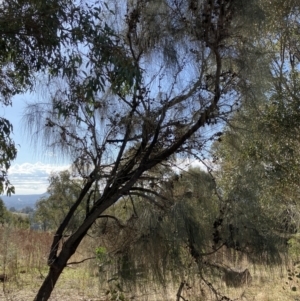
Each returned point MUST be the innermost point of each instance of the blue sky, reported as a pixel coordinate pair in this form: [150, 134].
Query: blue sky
[30, 171]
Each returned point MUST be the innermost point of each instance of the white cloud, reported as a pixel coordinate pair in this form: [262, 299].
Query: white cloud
[31, 178]
[184, 164]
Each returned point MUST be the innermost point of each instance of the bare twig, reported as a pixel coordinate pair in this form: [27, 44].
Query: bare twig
[78, 262]
[178, 295]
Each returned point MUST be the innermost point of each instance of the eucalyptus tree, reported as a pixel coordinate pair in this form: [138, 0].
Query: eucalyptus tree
[61, 194]
[33, 34]
[135, 97]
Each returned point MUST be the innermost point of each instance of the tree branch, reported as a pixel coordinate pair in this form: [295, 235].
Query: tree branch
[114, 218]
[78, 262]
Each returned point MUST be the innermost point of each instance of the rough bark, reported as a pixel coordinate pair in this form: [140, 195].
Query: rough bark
[48, 284]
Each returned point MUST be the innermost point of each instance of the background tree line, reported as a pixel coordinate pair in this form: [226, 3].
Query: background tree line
[15, 219]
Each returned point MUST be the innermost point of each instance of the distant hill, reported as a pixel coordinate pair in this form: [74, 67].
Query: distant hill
[21, 201]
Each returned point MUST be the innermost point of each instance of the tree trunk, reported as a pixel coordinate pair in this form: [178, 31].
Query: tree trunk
[58, 265]
[67, 250]
[60, 262]
[48, 284]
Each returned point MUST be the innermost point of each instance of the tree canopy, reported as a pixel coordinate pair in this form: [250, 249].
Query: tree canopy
[258, 155]
[61, 194]
[34, 40]
[126, 102]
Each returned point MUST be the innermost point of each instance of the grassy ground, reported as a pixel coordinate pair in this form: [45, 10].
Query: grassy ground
[23, 257]
[73, 285]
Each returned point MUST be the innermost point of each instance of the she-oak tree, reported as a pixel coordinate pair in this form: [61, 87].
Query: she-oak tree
[147, 81]
[138, 97]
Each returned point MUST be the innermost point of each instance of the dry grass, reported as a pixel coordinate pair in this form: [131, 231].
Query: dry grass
[23, 255]
[268, 284]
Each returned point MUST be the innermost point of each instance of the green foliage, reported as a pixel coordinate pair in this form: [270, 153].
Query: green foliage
[294, 247]
[27, 210]
[101, 254]
[19, 220]
[62, 193]
[13, 219]
[166, 241]
[8, 153]
[42, 37]
[258, 156]
[4, 214]
[32, 34]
